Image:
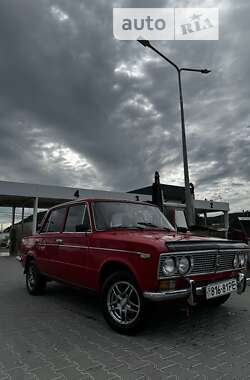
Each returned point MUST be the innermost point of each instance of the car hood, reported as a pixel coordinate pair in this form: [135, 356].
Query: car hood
[148, 239]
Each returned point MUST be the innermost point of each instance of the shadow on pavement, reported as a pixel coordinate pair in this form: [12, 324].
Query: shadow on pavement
[161, 317]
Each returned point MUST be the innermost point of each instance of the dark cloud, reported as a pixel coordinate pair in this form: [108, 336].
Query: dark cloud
[78, 107]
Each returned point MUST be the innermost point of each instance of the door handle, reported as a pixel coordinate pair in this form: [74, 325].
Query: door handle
[59, 241]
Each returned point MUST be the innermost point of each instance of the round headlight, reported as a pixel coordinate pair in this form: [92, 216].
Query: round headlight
[168, 266]
[242, 259]
[236, 261]
[183, 265]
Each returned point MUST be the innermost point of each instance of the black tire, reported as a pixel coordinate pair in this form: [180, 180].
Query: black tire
[122, 303]
[218, 300]
[35, 282]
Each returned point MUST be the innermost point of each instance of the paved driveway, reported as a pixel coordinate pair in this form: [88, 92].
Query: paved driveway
[62, 335]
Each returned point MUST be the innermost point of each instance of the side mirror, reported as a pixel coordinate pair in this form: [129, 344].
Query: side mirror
[82, 228]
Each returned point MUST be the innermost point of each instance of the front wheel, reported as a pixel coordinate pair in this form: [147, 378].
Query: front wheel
[35, 282]
[122, 303]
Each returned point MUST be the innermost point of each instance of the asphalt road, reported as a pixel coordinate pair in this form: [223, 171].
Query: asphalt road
[62, 335]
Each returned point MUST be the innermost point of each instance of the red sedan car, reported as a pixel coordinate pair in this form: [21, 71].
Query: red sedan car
[128, 253]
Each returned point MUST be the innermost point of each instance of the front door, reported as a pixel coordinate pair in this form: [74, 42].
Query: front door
[49, 240]
[74, 246]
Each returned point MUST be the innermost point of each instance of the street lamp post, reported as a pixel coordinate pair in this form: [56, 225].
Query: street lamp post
[188, 195]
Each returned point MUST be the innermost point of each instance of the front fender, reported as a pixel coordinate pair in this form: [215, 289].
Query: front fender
[143, 270]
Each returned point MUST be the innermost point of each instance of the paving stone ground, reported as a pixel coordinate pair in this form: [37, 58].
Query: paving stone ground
[62, 336]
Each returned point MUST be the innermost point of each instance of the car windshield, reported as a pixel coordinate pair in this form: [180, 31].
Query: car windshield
[112, 215]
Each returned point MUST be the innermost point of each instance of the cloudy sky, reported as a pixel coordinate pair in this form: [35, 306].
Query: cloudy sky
[80, 108]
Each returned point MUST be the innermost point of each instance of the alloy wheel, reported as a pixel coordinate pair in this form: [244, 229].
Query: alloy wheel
[31, 277]
[123, 302]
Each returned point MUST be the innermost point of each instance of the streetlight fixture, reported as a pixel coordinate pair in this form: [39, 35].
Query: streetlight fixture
[188, 196]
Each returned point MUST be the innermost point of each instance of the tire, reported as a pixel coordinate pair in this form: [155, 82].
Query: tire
[218, 300]
[35, 282]
[122, 303]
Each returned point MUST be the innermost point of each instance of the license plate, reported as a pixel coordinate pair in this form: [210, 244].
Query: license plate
[220, 288]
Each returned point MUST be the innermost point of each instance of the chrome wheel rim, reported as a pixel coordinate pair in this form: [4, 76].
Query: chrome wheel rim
[123, 302]
[31, 277]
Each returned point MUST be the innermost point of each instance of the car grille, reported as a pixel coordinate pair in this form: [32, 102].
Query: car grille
[210, 262]
[204, 261]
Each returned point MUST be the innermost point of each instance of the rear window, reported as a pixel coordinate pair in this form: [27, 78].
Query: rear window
[56, 220]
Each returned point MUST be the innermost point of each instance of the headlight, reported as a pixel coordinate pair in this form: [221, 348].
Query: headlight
[236, 261]
[242, 259]
[183, 265]
[168, 266]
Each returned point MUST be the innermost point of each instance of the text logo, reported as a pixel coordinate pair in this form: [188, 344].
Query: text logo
[196, 23]
[166, 23]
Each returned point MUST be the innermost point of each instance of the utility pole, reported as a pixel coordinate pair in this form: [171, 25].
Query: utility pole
[188, 195]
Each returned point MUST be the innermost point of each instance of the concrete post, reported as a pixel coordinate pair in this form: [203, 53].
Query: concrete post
[205, 218]
[22, 219]
[35, 208]
[226, 222]
[13, 216]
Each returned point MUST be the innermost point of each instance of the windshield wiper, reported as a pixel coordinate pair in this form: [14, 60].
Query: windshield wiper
[124, 227]
[148, 224]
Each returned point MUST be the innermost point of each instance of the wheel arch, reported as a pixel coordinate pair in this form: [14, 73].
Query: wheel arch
[112, 266]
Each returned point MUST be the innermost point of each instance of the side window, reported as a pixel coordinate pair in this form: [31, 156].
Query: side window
[77, 219]
[56, 220]
[170, 215]
[180, 219]
[45, 225]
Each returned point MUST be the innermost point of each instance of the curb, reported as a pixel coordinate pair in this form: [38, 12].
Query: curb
[4, 254]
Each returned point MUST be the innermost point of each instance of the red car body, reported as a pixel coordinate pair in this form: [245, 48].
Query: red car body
[87, 258]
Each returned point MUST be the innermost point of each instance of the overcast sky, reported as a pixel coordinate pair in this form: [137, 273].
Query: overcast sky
[80, 108]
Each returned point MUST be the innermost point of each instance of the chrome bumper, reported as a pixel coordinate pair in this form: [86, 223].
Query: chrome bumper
[190, 293]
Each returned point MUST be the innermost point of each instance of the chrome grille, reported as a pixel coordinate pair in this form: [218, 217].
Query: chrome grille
[225, 260]
[204, 261]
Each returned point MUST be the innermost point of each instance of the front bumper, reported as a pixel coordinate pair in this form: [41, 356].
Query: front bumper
[192, 292]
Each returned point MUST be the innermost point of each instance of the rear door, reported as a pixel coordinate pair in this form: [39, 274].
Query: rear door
[73, 250]
[50, 239]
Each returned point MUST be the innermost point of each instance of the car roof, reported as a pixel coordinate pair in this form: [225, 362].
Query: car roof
[89, 200]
